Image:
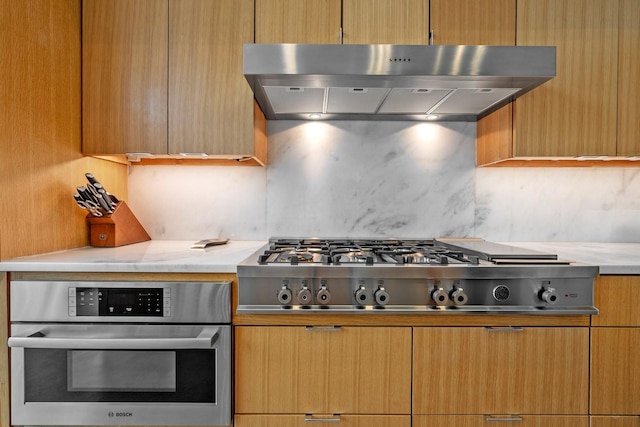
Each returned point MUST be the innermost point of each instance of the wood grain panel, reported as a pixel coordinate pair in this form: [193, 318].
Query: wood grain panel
[471, 22]
[615, 421]
[344, 420]
[210, 102]
[124, 71]
[40, 130]
[615, 371]
[479, 371]
[481, 421]
[298, 21]
[385, 21]
[617, 299]
[574, 113]
[494, 136]
[294, 370]
[629, 79]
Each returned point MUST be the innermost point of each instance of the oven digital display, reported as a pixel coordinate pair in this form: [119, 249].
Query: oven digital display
[120, 302]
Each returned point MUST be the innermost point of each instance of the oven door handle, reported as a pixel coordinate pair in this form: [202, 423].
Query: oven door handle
[204, 340]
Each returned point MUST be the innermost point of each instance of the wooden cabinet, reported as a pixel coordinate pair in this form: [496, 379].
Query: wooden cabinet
[298, 21]
[385, 21]
[165, 77]
[492, 421]
[615, 347]
[304, 420]
[500, 371]
[304, 370]
[629, 79]
[615, 421]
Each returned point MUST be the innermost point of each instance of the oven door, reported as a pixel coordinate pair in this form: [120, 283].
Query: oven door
[97, 374]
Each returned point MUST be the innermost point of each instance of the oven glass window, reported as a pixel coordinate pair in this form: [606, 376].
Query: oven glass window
[59, 375]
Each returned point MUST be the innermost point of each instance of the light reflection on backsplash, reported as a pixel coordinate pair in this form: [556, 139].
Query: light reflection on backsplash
[384, 179]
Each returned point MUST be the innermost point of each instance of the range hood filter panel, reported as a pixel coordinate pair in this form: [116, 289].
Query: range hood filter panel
[412, 101]
[472, 101]
[293, 100]
[355, 100]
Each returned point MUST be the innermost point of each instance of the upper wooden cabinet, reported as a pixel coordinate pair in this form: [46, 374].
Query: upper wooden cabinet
[629, 79]
[165, 77]
[298, 21]
[124, 76]
[385, 21]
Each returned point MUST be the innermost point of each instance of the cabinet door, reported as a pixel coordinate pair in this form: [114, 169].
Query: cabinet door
[500, 370]
[615, 371]
[573, 114]
[210, 102]
[298, 21]
[385, 21]
[349, 370]
[629, 79]
[124, 76]
[615, 421]
[305, 420]
[616, 297]
[496, 420]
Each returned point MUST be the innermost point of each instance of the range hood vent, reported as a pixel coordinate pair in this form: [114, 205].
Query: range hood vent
[392, 82]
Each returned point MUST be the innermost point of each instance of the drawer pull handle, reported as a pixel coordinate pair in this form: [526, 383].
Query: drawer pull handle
[322, 328]
[310, 419]
[504, 419]
[504, 329]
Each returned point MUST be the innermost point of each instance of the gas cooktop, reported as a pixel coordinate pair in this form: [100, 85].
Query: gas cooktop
[411, 276]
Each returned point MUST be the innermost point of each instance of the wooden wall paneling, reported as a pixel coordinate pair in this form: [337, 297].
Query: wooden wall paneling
[629, 79]
[40, 130]
[124, 65]
[385, 21]
[210, 102]
[574, 113]
[298, 21]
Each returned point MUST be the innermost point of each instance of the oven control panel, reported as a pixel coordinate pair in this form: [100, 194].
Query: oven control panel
[155, 302]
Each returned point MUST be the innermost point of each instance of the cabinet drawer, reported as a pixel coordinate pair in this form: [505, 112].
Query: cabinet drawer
[340, 421]
[615, 421]
[615, 371]
[497, 421]
[349, 370]
[501, 371]
[616, 297]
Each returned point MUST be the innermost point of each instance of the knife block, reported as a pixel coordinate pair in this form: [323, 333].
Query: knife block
[119, 228]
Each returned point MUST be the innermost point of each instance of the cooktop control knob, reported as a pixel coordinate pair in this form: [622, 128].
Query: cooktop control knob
[381, 296]
[304, 295]
[439, 296]
[323, 296]
[284, 295]
[361, 295]
[549, 295]
[458, 296]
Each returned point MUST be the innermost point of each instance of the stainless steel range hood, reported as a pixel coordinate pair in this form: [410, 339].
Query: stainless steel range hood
[392, 82]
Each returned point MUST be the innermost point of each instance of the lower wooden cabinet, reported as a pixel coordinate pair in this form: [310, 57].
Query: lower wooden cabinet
[305, 421]
[505, 420]
[615, 371]
[626, 421]
[322, 370]
[476, 370]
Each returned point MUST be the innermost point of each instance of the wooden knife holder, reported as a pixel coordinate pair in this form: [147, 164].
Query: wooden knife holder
[119, 228]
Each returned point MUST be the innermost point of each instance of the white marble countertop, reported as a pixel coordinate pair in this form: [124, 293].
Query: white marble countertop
[169, 256]
[612, 258]
[155, 256]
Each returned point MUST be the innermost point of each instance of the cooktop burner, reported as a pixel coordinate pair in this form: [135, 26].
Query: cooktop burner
[411, 276]
[336, 252]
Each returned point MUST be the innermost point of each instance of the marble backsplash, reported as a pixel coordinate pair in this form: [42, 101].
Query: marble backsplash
[384, 179]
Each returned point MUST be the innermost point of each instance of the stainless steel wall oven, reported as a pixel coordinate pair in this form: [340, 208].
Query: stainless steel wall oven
[120, 353]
